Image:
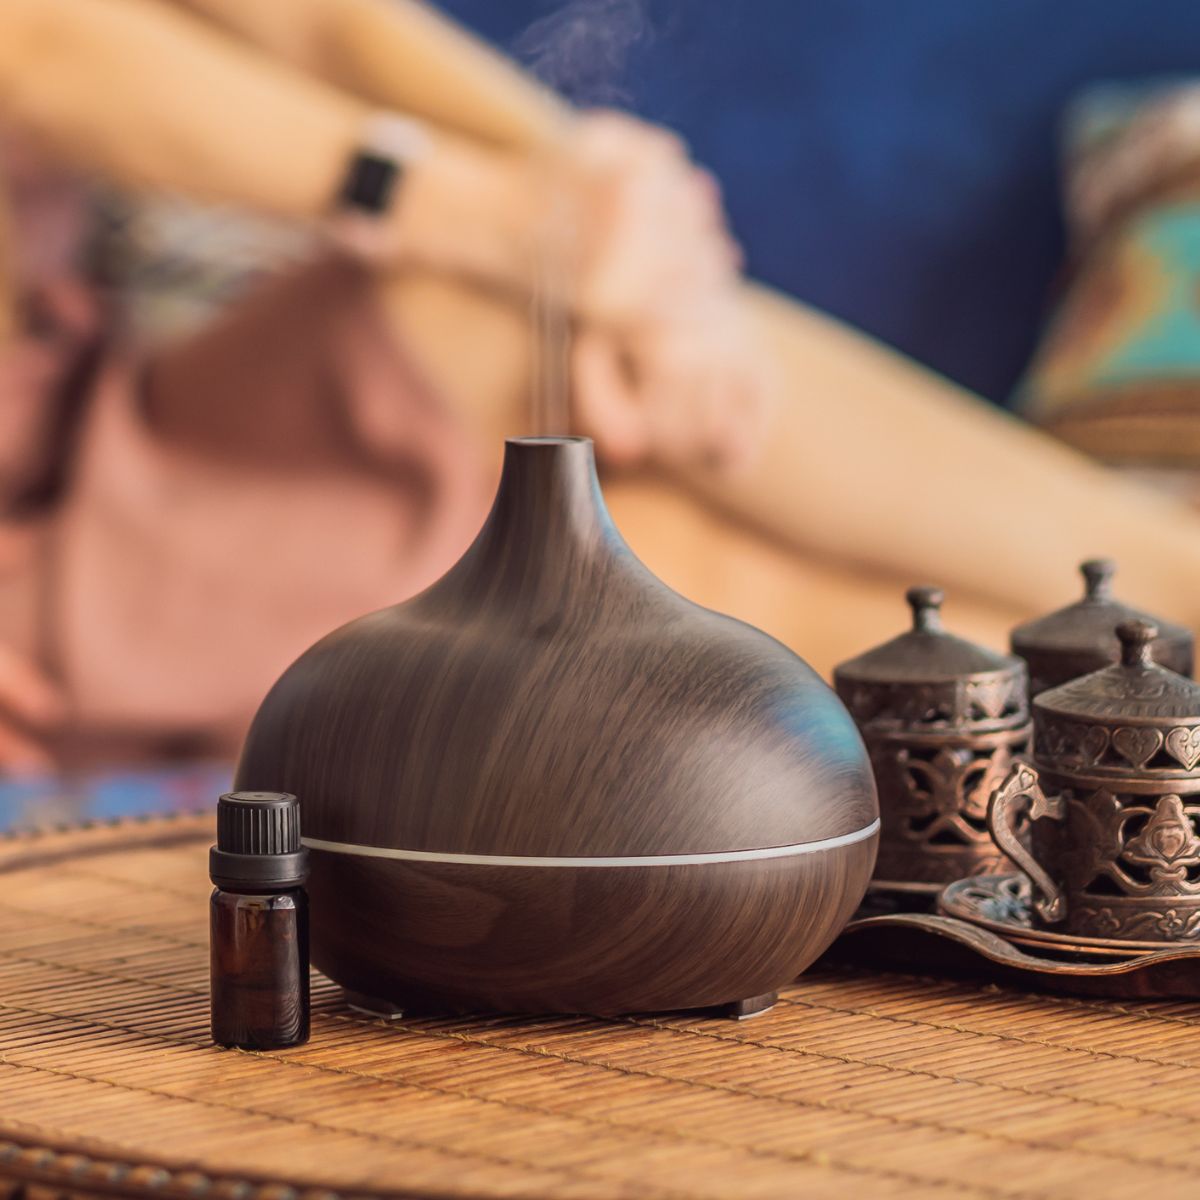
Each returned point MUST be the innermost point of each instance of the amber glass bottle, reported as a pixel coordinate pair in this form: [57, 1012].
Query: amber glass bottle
[259, 923]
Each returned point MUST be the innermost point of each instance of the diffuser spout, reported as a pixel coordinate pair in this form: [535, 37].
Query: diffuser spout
[549, 496]
[548, 533]
[550, 479]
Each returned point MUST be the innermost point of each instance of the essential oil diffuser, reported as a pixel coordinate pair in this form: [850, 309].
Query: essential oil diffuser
[549, 783]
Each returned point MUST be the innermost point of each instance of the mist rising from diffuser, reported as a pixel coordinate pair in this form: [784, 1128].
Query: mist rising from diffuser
[581, 50]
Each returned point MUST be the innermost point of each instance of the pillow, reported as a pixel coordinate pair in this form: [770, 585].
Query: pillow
[1118, 371]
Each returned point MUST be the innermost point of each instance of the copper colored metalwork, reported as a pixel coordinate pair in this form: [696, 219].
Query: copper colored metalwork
[1004, 904]
[1079, 639]
[927, 942]
[943, 719]
[1113, 794]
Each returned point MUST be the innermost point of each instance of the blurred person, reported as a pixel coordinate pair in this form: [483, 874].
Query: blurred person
[292, 434]
[328, 444]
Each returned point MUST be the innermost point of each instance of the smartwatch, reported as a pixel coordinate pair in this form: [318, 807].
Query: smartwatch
[389, 143]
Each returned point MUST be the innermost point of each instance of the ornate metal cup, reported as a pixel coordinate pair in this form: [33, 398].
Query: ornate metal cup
[1113, 801]
[943, 719]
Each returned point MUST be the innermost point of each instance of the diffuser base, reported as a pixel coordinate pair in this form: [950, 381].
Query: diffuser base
[752, 1006]
[372, 1006]
[468, 938]
[388, 1010]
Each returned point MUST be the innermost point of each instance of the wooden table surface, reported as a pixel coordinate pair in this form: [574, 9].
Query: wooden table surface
[858, 1084]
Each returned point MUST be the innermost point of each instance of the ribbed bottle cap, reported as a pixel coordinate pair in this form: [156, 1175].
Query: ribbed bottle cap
[258, 841]
[258, 823]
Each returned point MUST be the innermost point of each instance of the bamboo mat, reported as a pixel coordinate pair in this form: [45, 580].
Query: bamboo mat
[857, 1084]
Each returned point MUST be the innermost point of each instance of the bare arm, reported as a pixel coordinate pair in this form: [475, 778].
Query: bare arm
[875, 460]
[145, 94]
[399, 54]
[869, 457]
[156, 98]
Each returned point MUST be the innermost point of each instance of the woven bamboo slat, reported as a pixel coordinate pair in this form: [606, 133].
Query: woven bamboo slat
[857, 1084]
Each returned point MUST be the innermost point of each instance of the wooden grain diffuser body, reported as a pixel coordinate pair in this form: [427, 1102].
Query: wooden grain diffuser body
[549, 783]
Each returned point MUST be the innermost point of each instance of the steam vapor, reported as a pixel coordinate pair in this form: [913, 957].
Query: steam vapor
[581, 48]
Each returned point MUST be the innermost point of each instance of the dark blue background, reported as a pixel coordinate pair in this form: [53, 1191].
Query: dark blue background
[892, 161]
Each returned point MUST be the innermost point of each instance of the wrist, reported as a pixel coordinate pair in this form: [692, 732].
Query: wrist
[467, 210]
[384, 148]
[448, 205]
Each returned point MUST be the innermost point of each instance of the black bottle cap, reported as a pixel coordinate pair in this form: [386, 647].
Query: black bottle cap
[258, 842]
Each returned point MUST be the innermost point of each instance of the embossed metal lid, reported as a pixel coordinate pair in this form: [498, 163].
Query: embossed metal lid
[1135, 719]
[929, 678]
[1079, 638]
[1136, 691]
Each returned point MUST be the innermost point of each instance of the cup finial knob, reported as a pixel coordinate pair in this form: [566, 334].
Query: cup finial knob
[1097, 577]
[1135, 638]
[926, 604]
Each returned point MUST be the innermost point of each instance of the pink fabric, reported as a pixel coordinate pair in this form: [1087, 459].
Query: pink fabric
[241, 496]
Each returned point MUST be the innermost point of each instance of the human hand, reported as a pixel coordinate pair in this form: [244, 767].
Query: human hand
[665, 366]
[623, 230]
[616, 212]
[651, 242]
[691, 392]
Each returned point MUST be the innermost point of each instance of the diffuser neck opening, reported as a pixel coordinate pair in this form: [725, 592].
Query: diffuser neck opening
[548, 531]
[549, 490]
